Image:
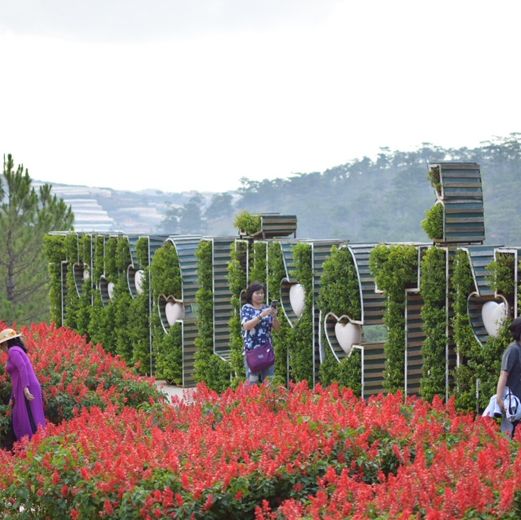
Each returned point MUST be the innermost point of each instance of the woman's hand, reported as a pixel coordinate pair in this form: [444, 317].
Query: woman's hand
[28, 394]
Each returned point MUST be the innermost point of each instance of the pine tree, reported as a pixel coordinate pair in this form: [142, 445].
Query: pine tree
[26, 216]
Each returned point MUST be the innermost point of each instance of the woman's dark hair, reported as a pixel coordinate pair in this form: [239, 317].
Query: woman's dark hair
[515, 328]
[16, 342]
[254, 287]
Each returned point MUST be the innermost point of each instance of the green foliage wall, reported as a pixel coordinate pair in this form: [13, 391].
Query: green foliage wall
[340, 294]
[139, 321]
[97, 329]
[167, 346]
[282, 336]
[467, 346]
[72, 301]
[258, 270]
[83, 315]
[395, 269]
[122, 302]
[54, 247]
[301, 336]
[434, 316]
[237, 279]
[209, 368]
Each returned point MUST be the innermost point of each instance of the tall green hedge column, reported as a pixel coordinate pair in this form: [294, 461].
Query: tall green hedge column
[72, 298]
[238, 279]
[139, 318]
[54, 244]
[167, 338]
[395, 269]
[282, 336]
[209, 368]
[301, 338]
[340, 295]
[435, 322]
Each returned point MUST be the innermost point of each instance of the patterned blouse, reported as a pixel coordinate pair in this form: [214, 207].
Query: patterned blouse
[259, 335]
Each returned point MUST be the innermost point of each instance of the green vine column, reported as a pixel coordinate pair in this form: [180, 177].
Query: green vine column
[54, 245]
[301, 339]
[340, 295]
[282, 336]
[140, 312]
[167, 338]
[97, 314]
[435, 323]
[83, 277]
[467, 346]
[107, 286]
[122, 302]
[72, 302]
[258, 270]
[395, 269]
[209, 368]
[237, 278]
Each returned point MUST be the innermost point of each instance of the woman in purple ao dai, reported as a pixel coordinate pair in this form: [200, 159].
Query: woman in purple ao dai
[26, 395]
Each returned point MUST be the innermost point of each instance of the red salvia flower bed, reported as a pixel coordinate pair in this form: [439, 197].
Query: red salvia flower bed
[264, 453]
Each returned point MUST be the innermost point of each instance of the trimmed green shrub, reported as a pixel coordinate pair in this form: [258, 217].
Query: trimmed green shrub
[54, 246]
[301, 336]
[237, 281]
[432, 224]
[282, 336]
[434, 316]
[340, 294]
[139, 323]
[395, 269]
[247, 223]
[167, 346]
[209, 368]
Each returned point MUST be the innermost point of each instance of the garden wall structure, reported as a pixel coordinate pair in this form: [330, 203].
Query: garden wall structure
[391, 316]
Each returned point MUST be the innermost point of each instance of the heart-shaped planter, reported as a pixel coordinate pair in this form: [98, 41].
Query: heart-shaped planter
[171, 311]
[342, 334]
[493, 315]
[135, 280]
[293, 300]
[81, 275]
[486, 316]
[297, 299]
[106, 289]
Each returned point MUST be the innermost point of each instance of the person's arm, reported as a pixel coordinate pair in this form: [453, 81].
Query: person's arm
[500, 390]
[253, 322]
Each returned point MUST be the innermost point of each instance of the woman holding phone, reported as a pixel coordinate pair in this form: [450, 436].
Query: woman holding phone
[258, 320]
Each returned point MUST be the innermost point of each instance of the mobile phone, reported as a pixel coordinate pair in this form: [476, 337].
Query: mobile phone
[274, 304]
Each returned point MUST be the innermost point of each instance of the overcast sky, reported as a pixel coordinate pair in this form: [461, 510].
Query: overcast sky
[195, 94]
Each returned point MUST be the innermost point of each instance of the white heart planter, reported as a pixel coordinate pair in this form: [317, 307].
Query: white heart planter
[493, 315]
[174, 312]
[139, 278]
[347, 335]
[110, 290]
[297, 298]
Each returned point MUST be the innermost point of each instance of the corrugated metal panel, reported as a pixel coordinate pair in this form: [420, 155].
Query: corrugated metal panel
[373, 369]
[186, 247]
[479, 258]
[222, 307]
[462, 199]
[321, 250]
[414, 338]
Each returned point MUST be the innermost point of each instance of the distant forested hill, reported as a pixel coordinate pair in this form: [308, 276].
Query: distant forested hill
[386, 199]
